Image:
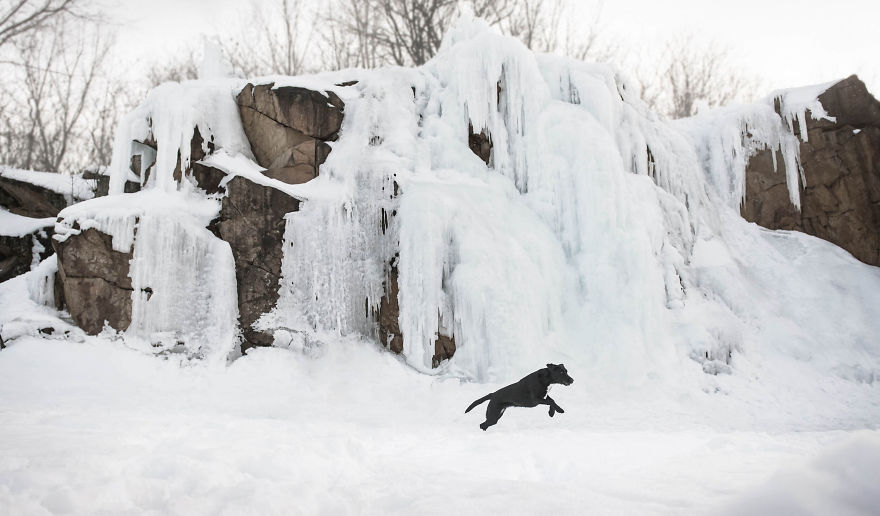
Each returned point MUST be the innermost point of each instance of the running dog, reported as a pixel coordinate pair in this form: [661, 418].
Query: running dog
[531, 391]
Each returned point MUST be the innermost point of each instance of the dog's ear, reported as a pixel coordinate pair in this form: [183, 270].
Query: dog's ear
[552, 366]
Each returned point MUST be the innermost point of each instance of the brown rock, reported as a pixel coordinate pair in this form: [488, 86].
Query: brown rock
[840, 197]
[389, 313]
[30, 200]
[95, 282]
[206, 178]
[389, 324]
[289, 127]
[444, 348]
[480, 144]
[252, 221]
[312, 113]
[17, 252]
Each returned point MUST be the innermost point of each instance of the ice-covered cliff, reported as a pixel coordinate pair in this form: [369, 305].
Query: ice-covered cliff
[583, 227]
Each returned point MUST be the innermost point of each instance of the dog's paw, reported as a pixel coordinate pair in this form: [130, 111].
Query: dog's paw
[559, 409]
[551, 411]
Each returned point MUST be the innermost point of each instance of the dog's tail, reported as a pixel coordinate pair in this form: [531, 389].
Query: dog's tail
[474, 404]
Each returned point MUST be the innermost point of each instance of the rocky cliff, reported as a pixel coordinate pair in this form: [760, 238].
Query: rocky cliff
[467, 224]
[840, 186]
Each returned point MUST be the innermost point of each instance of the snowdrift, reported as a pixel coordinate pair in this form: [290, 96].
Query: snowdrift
[595, 233]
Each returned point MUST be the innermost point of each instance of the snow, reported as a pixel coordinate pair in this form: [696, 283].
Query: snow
[167, 117]
[74, 187]
[15, 225]
[840, 480]
[94, 427]
[708, 353]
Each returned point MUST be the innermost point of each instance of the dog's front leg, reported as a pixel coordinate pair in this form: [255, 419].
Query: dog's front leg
[554, 408]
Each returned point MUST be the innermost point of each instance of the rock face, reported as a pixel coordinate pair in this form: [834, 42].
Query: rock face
[102, 183]
[288, 127]
[389, 325]
[35, 200]
[840, 196]
[17, 252]
[389, 315]
[252, 221]
[480, 144]
[288, 130]
[30, 200]
[207, 178]
[94, 281]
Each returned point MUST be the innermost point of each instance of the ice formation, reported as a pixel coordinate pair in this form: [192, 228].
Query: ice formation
[168, 116]
[598, 232]
[726, 138]
[183, 277]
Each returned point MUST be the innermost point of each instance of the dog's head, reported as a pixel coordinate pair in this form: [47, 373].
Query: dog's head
[558, 374]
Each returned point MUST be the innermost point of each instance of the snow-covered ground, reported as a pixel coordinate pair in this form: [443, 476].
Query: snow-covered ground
[89, 425]
[94, 428]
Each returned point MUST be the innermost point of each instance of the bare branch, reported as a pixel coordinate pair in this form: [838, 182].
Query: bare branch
[19, 17]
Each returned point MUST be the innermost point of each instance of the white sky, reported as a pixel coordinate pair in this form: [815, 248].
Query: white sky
[783, 42]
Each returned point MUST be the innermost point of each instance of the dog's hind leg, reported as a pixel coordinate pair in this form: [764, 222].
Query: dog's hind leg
[493, 414]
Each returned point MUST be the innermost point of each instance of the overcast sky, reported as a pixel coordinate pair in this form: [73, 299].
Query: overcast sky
[783, 42]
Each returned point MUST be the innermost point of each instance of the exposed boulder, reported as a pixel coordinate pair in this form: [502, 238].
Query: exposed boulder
[30, 200]
[41, 194]
[17, 253]
[288, 127]
[95, 281]
[840, 193]
[252, 221]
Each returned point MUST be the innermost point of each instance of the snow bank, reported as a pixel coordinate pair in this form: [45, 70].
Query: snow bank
[838, 481]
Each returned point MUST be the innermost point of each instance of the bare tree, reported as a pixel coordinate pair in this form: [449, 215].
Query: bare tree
[534, 22]
[695, 74]
[349, 35]
[21, 17]
[411, 30]
[52, 90]
[278, 40]
[113, 98]
[182, 66]
[370, 33]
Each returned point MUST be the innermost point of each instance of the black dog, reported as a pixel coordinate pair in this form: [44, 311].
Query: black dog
[531, 391]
